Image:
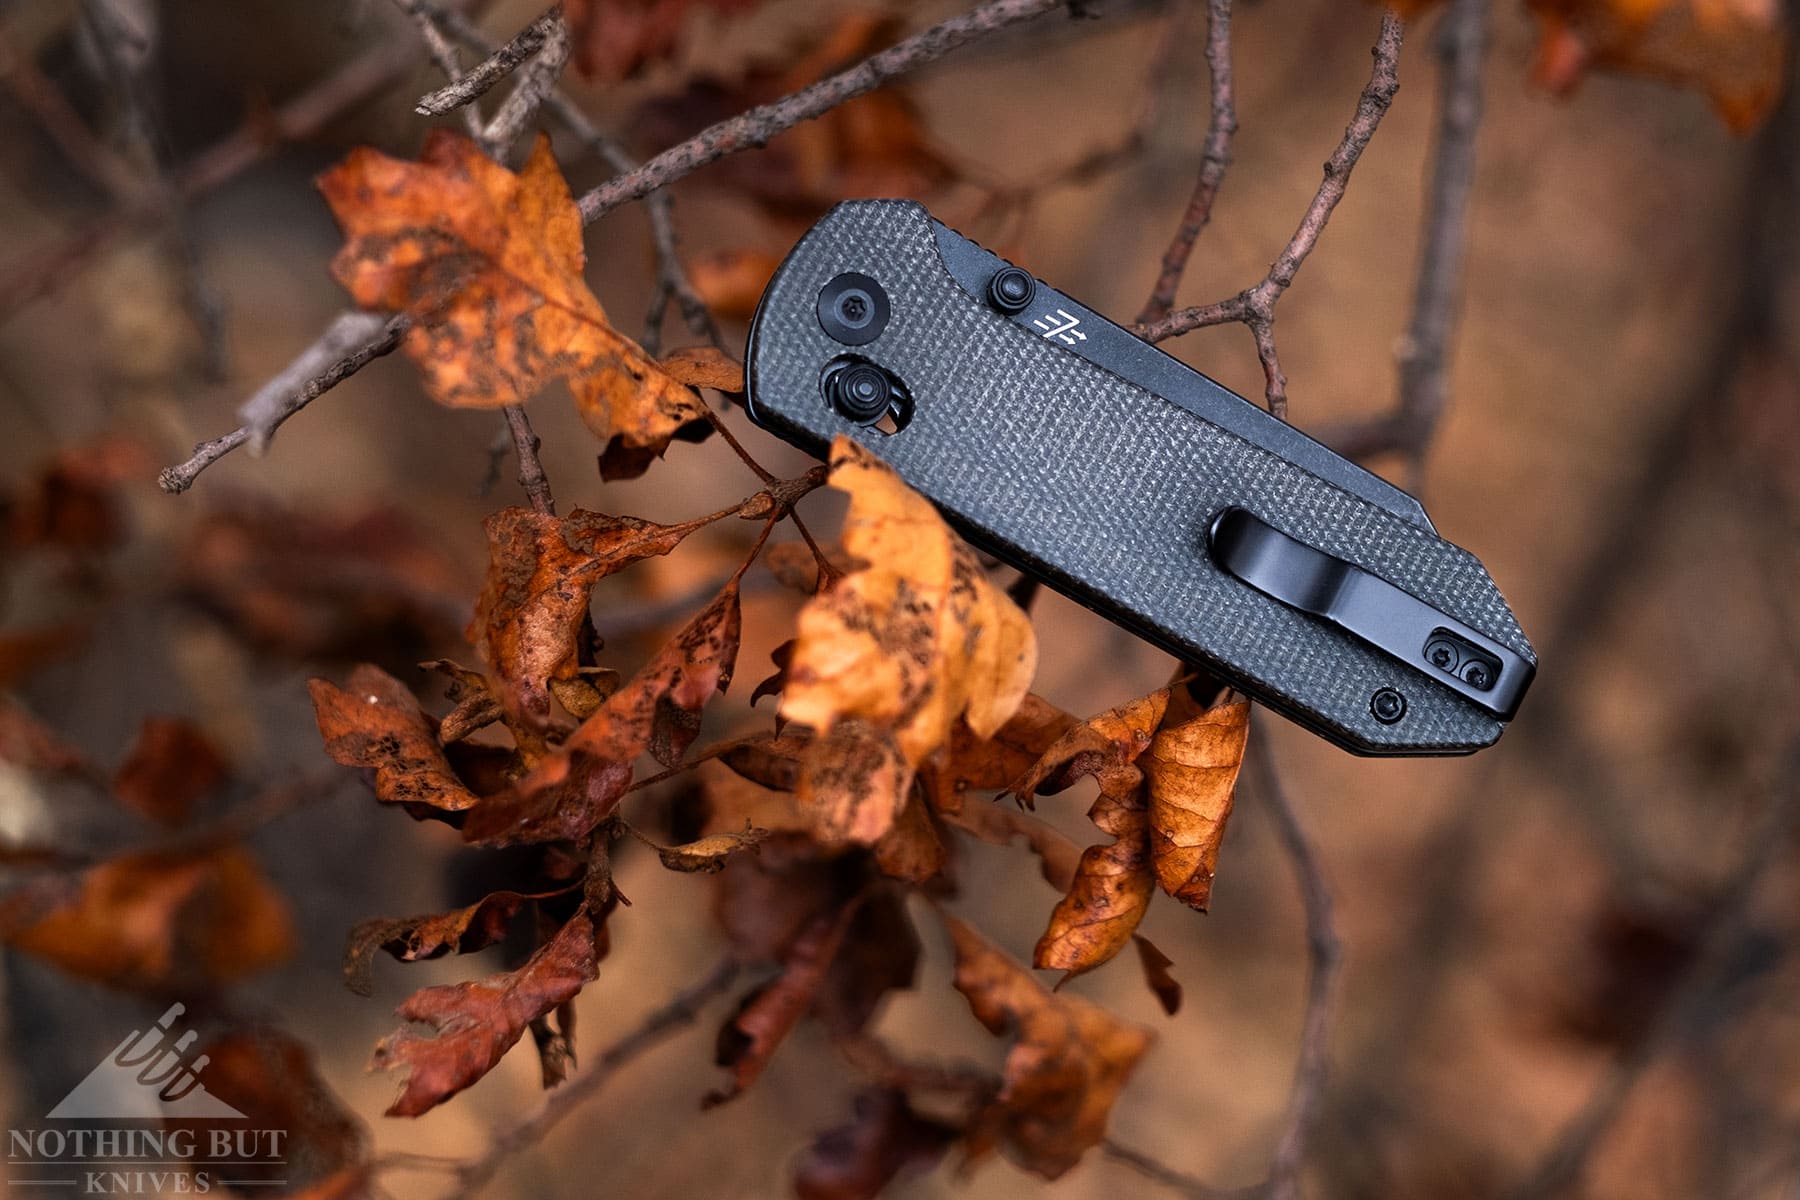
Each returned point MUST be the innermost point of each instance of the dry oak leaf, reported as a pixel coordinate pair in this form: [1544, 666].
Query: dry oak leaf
[577, 785]
[857, 1160]
[1736, 51]
[991, 764]
[375, 722]
[705, 366]
[1065, 1069]
[155, 923]
[172, 766]
[540, 579]
[710, 853]
[412, 939]
[478, 1022]
[488, 264]
[902, 647]
[1192, 768]
[1113, 883]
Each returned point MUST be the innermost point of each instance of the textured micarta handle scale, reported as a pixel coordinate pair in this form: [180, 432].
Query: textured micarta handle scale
[1106, 490]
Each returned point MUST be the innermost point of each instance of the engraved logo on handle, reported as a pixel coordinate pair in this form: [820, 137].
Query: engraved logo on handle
[1062, 325]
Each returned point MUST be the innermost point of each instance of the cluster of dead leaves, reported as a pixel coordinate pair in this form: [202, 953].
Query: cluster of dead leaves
[1735, 51]
[185, 913]
[616, 38]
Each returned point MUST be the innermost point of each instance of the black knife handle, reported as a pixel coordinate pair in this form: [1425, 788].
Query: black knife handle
[1084, 456]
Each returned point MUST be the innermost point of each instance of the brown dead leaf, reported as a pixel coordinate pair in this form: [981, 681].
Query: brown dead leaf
[156, 924]
[1106, 747]
[578, 785]
[1156, 966]
[857, 1160]
[911, 849]
[73, 501]
[710, 853]
[489, 266]
[971, 763]
[540, 578]
[888, 659]
[705, 367]
[1065, 1069]
[880, 954]
[1192, 768]
[1735, 51]
[413, 939]
[998, 824]
[29, 744]
[375, 722]
[769, 1013]
[478, 1022]
[171, 767]
[273, 1080]
[731, 282]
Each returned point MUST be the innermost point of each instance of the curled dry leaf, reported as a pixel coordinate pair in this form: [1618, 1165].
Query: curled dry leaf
[768, 1014]
[971, 763]
[705, 366]
[153, 923]
[478, 1022]
[488, 264]
[911, 849]
[476, 706]
[1113, 883]
[1156, 966]
[376, 723]
[171, 767]
[857, 1160]
[577, 785]
[1192, 768]
[411, 939]
[709, 854]
[894, 652]
[1064, 1071]
[540, 578]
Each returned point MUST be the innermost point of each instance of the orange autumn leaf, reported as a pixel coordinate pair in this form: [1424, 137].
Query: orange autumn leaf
[375, 722]
[476, 1023]
[891, 656]
[1733, 50]
[1113, 882]
[413, 939]
[1192, 768]
[488, 264]
[1068, 1062]
[155, 923]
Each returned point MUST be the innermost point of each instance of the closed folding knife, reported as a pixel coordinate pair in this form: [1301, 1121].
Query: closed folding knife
[1135, 485]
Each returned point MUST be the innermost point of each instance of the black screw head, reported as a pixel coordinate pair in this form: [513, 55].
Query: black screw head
[1477, 675]
[860, 391]
[1011, 290]
[853, 309]
[1442, 654]
[1388, 705]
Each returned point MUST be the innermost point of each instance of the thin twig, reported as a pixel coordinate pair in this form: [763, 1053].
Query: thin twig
[444, 55]
[1214, 159]
[536, 81]
[1255, 305]
[1424, 353]
[531, 468]
[270, 417]
[1721, 941]
[1161, 1173]
[679, 1012]
[753, 129]
[105, 168]
[1324, 963]
[501, 62]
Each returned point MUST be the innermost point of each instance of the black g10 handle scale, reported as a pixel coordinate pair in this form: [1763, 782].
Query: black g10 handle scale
[1134, 484]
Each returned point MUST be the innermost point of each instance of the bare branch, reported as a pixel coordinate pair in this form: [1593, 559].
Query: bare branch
[444, 55]
[754, 128]
[531, 469]
[273, 408]
[1425, 351]
[1215, 158]
[500, 62]
[1325, 962]
[1255, 305]
[679, 1012]
[535, 82]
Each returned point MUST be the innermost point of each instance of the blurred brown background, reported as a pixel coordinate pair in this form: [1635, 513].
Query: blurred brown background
[1620, 450]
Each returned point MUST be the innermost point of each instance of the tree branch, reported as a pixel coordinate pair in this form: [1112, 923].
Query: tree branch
[681, 1011]
[536, 81]
[1215, 158]
[1425, 350]
[500, 62]
[1325, 961]
[754, 128]
[1255, 305]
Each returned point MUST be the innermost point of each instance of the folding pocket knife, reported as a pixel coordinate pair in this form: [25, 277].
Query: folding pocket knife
[1135, 485]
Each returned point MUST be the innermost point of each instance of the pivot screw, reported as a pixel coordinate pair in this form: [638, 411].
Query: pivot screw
[853, 309]
[1388, 705]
